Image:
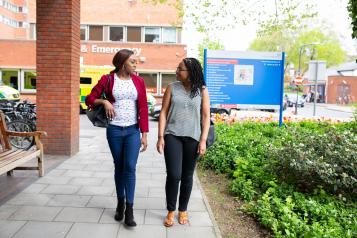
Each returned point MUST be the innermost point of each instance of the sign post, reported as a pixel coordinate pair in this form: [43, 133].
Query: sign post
[298, 81]
[247, 79]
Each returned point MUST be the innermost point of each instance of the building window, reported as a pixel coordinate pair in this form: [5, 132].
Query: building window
[29, 80]
[85, 80]
[20, 24]
[9, 21]
[10, 78]
[166, 79]
[20, 9]
[168, 35]
[10, 6]
[152, 34]
[116, 33]
[179, 35]
[33, 31]
[96, 33]
[133, 34]
[150, 81]
[83, 33]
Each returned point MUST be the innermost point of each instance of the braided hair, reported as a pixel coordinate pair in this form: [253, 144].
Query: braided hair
[195, 75]
[119, 59]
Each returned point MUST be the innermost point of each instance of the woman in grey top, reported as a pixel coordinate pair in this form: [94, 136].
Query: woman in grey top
[183, 128]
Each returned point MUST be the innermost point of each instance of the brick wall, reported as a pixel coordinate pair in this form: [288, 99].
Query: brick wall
[333, 92]
[57, 63]
[134, 12]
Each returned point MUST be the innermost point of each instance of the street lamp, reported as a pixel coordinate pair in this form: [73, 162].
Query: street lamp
[299, 70]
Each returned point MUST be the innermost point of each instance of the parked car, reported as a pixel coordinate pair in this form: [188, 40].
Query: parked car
[292, 98]
[154, 111]
[151, 101]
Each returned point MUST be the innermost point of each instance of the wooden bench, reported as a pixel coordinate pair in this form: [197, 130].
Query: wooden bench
[12, 158]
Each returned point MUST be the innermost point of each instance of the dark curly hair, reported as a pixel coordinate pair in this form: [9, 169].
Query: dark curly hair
[195, 75]
[119, 59]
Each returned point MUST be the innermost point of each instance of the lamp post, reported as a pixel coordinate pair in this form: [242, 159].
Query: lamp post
[299, 70]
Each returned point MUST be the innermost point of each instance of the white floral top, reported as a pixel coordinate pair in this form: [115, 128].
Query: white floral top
[125, 105]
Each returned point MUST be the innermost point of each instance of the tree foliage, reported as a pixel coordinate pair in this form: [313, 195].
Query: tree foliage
[209, 44]
[352, 8]
[328, 47]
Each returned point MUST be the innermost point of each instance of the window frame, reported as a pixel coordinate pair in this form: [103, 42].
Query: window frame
[102, 33]
[123, 27]
[158, 81]
[126, 34]
[18, 77]
[167, 27]
[22, 81]
[86, 36]
[161, 74]
[160, 34]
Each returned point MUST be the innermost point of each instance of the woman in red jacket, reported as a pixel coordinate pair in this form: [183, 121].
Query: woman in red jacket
[127, 111]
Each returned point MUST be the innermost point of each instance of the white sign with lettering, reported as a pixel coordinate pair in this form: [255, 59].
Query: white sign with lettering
[107, 50]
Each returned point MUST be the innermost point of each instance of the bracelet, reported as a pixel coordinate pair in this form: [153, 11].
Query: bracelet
[160, 136]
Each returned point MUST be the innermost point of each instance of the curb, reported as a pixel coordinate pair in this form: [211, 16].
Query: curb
[210, 213]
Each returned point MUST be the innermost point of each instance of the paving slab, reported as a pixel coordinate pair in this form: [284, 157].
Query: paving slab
[78, 198]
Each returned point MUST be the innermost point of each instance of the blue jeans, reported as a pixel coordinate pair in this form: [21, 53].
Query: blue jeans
[124, 144]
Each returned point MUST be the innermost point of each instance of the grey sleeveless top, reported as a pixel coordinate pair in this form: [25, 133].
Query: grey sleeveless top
[184, 116]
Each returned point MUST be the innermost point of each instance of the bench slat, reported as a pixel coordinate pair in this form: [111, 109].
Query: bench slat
[10, 155]
[16, 156]
[17, 161]
[2, 154]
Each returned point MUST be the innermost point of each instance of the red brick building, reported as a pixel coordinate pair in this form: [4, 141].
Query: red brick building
[342, 89]
[57, 36]
[148, 30]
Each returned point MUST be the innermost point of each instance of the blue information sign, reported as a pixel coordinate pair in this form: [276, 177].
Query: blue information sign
[248, 79]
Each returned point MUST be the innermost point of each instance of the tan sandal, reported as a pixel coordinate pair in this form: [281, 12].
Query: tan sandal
[169, 220]
[183, 218]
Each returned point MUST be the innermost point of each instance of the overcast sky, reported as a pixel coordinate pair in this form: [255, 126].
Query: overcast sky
[331, 13]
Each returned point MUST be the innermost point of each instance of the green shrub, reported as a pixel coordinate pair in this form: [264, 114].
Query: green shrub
[310, 160]
[283, 173]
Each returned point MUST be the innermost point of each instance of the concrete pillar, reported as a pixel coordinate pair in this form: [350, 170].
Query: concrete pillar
[57, 65]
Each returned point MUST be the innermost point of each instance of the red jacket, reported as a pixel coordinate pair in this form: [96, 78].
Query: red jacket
[143, 114]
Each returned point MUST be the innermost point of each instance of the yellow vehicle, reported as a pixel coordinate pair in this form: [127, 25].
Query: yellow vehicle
[8, 93]
[89, 76]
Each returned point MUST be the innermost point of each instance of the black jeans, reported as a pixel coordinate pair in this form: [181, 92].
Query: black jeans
[180, 158]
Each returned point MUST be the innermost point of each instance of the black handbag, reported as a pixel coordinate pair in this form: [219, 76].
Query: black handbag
[211, 137]
[97, 114]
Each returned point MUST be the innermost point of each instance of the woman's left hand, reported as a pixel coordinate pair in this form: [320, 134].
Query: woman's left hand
[144, 142]
[201, 148]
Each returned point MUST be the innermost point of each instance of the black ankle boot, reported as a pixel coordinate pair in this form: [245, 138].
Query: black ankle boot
[129, 215]
[119, 213]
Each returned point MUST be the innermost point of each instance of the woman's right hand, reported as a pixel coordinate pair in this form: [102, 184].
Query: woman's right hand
[160, 145]
[109, 109]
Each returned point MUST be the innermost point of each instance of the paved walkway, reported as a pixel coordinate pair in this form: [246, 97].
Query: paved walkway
[77, 199]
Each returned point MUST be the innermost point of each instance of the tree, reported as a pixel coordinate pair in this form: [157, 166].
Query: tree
[206, 43]
[352, 8]
[210, 16]
[328, 49]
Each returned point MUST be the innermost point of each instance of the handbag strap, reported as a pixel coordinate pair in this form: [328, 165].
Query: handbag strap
[104, 96]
